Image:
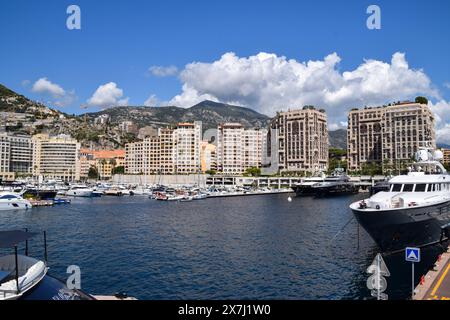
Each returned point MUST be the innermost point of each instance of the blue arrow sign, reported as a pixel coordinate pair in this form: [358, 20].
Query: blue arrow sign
[412, 254]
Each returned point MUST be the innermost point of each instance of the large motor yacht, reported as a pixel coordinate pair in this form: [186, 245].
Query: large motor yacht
[305, 187]
[337, 183]
[416, 209]
[13, 201]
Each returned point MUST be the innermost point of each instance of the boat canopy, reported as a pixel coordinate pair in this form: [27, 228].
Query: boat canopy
[10, 239]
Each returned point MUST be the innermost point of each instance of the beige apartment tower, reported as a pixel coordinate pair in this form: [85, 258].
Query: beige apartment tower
[56, 157]
[297, 142]
[168, 151]
[388, 135]
[239, 149]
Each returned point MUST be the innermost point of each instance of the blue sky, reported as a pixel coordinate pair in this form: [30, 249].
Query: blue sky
[120, 40]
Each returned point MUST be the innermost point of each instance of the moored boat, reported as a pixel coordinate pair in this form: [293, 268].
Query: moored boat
[13, 201]
[80, 191]
[416, 209]
[338, 183]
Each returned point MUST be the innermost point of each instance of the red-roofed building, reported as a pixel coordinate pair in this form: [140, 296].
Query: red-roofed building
[104, 160]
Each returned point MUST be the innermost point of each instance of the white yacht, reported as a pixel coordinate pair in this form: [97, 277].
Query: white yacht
[80, 191]
[416, 209]
[13, 201]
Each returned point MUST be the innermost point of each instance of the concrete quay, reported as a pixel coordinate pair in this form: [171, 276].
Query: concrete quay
[435, 285]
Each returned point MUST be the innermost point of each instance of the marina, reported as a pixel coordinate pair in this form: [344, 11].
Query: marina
[194, 250]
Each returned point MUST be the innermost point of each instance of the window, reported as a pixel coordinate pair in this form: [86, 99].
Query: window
[420, 187]
[8, 196]
[396, 187]
[408, 188]
[430, 187]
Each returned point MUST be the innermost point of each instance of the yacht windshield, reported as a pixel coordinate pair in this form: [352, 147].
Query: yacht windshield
[408, 188]
[421, 187]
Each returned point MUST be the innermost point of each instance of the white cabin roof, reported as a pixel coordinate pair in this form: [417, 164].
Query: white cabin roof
[420, 177]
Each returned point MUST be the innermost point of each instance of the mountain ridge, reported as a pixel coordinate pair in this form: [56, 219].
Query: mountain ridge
[83, 126]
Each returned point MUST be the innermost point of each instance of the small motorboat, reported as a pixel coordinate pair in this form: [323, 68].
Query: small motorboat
[200, 196]
[25, 278]
[13, 201]
[80, 191]
[187, 198]
[18, 273]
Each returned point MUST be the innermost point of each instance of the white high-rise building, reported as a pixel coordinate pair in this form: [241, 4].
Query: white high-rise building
[239, 149]
[15, 153]
[56, 157]
[170, 151]
[187, 147]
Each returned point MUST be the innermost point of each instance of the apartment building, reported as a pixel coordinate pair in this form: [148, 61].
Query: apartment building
[388, 135]
[134, 154]
[16, 153]
[446, 154]
[187, 144]
[297, 142]
[239, 149]
[104, 160]
[364, 137]
[56, 157]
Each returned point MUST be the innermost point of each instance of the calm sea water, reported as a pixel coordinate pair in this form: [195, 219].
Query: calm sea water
[260, 247]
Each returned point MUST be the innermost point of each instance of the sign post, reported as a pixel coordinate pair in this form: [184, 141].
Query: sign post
[412, 255]
[376, 282]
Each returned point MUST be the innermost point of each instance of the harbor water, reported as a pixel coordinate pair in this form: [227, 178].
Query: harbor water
[255, 247]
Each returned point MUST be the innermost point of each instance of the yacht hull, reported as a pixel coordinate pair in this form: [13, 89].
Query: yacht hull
[340, 189]
[15, 205]
[303, 190]
[394, 230]
[79, 193]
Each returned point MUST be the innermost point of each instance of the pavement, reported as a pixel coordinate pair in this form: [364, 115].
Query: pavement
[436, 283]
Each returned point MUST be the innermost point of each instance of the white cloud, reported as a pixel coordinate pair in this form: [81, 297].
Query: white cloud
[447, 85]
[161, 71]
[45, 86]
[58, 96]
[108, 95]
[443, 134]
[267, 83]
[441, 110]
[151, 101]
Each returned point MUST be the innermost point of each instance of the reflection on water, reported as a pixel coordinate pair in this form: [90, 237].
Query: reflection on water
[261, 247]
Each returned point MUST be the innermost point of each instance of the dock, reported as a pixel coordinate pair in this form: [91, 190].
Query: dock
[41, 203]
[435, 285]
[249, 193]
